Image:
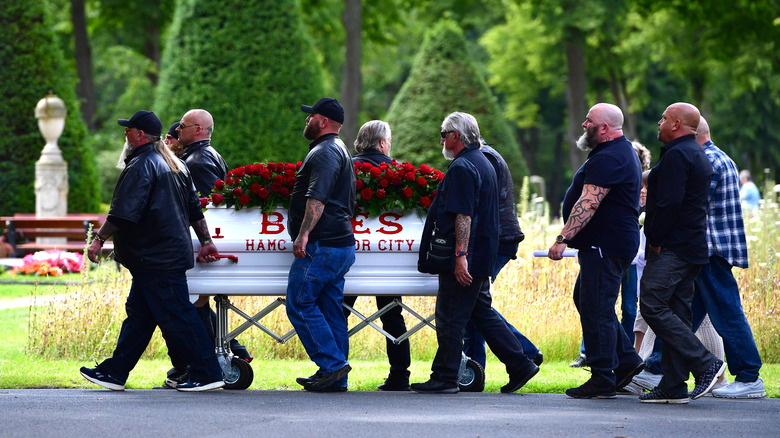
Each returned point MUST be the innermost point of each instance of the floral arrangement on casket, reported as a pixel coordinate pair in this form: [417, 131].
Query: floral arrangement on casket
[54, 262]
[388, 187]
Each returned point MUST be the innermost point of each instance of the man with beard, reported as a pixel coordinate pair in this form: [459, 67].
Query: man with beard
[153, 206]
[678, 188]
[466, 207]
[320, 225]
[600, 210]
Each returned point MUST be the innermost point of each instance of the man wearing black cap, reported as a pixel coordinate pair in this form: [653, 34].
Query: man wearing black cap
[172, 140]
[153, 206]
[320, 224]
[205, 163]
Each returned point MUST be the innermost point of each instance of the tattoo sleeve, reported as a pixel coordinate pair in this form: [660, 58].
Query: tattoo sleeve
[201, 230]
[583, 209]
[314, 209]
[462, 232]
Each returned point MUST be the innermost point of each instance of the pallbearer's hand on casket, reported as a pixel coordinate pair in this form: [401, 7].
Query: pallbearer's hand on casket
[206, 253]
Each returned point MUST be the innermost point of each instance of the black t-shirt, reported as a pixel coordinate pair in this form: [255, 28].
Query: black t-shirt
[327, 175]
[614, 227]
[469, 188]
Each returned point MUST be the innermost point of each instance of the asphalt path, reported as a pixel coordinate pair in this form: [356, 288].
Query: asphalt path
[299, 414]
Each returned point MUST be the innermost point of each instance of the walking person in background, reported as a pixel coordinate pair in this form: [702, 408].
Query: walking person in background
[676, 231]
[748, 192]
[320, 224]
[373, 146]
[153, 207]
[466, 210]
[601, 209]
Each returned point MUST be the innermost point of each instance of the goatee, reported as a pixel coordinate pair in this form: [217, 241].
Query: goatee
[447, 154]
[127, 149]
[588, 140]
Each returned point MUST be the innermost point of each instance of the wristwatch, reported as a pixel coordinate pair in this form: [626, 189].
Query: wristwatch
[461, 253]
[560, 239]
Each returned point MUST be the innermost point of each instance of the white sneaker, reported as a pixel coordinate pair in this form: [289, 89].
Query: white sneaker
[647, 380]
[742, 390]
[632, 389]
[718, 385]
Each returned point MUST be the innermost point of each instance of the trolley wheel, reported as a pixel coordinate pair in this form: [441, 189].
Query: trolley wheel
[240, 375]
[473, 377]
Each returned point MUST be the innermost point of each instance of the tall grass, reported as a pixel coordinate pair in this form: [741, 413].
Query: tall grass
[534, 294]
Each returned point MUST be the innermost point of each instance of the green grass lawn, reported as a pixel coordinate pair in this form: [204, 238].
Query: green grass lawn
[19, 370]
[20, 286]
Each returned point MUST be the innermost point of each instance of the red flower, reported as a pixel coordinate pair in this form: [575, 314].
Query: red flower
[290, 181]
[408, 167]
[366, 167]
[380, 194]
[256, 188]
[396, 181]
[236, 180]
[204, 202]
[279, 179]
[244, 199]
[219, 184]
[265, 174]
[272, 167]
[216, 198]
[290, 166]
[263, 193]
[367, 193]
[284, 191]
[237, 192]
[410, 176]
[298, 165]
[360, 184]
[289, 173]
[376, 172]
[421, 181]
[407, 193]
[425, 201]
[425, 169]
[229, 181]
[276, 187]
[238, 171]
[384, 183]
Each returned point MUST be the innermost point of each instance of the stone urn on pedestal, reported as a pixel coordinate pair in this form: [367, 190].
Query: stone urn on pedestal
[51, 171]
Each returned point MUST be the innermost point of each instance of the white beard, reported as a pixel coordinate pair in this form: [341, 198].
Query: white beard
[583, 143]
[127, 149]
[447, 154]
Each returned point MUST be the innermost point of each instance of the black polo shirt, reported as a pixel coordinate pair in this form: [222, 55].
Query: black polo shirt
[469, 188]
[678, 190]
[614, 227]
[326, 175]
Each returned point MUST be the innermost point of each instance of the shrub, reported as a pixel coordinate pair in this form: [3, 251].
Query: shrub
[249, 65]
[31, 64]
[444, 79]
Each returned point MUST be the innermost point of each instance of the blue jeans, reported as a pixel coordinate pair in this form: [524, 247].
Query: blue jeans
[455, 306]
[717, 294]
[474, 342]
[595, 295]
[666, 295]
[315, 291]
[162, 299]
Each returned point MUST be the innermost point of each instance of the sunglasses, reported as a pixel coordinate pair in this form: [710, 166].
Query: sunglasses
[444, 133]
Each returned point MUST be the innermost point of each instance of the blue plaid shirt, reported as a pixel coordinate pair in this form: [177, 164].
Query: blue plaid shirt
[725, 228]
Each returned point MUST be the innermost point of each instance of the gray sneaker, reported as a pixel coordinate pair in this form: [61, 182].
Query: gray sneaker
[742, 390]
[647, 380]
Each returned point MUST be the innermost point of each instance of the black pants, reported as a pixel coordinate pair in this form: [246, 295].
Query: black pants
[393, 323]
[455, 306]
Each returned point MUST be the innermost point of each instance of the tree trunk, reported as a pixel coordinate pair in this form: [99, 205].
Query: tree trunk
[152, 50]
[617, 85]
[575, 98]
[83, 55]
[352, 80]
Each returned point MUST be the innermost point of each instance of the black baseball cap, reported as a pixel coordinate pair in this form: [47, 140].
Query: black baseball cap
[144, 120]
[172, 130]
[328, 107]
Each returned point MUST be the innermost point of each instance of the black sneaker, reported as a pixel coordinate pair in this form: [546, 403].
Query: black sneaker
[303, 381]
[191, 386]
[327, 379]
[176, 377]
[594, 387]
[660, 396]
[706, 380]
[623, 376]
[435, 387]
[393, 383]
[331, 388]
[518, 380]
[580, 362]
[96, 376]
[538, 360]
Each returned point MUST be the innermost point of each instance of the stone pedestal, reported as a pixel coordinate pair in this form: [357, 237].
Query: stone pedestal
[51, 171]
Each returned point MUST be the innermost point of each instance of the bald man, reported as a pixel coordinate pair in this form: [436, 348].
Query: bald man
[205, 164]
[676, 231]
[601, 211]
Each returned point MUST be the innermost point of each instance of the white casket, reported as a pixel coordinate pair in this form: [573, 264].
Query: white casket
[385, 262]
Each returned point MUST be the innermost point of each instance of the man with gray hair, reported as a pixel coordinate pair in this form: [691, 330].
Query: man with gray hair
[465, 211]
[601, 211]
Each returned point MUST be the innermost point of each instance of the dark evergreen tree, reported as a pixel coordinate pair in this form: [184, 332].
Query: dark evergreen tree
[444, 79]
[31, 64]
[248, 63]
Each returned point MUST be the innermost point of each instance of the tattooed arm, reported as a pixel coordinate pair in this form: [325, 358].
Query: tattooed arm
[207, 247]
[314, 209]
[581, 214]
[462, 235]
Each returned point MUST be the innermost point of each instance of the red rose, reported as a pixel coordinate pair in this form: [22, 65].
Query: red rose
[425, 169]
[237, 192]
[367, 193]
[219, 184]
[272, 167]
[290, 166]
[384, 183]
[263, 193]
[216, 199]
[421, 181]
[284, 191]
[204, 202]
[366, 167]
[275, 187]
[439, 176]
[396, 180]
[298, 165]
[279, 179]
[376, 172]
[410, 176]
[265, 174]
[289, 173]
[238, 171]
[425, 201]
[433, 194]
[407, 193]
[243, 200]
[360, 184]
[236, 180]
[408, 167]
[229, 181]
[380, 194]
[256, 188]
[290, 181]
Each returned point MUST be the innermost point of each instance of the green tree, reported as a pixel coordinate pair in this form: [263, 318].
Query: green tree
[31, 64]
[249, 65]
[444, 79]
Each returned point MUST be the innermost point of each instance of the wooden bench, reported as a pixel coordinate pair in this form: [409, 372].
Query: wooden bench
[23, 229]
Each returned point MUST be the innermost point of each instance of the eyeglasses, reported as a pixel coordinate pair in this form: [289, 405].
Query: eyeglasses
[182, 126]
[444, 133]
[131, 129]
